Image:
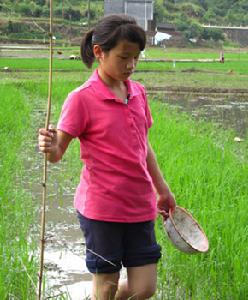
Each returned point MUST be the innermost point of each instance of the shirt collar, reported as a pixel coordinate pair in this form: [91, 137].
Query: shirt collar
[104, 92]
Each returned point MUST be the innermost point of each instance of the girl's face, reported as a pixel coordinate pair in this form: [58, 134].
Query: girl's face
[119, 63]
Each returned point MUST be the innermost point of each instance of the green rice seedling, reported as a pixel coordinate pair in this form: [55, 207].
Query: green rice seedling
[210, 181]
[237, 66]
[40, 64]
[164, 79]
[194, 54]
[17, 259]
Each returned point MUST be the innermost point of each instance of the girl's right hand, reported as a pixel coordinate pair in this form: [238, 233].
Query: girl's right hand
[47, 139]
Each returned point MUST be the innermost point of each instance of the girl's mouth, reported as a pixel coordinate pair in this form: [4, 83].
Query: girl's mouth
[128, 73]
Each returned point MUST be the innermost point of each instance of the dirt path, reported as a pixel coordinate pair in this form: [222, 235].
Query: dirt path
[64, 259]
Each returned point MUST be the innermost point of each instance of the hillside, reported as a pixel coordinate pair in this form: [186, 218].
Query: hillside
[221, 12]
[188, 16]
[28, 20]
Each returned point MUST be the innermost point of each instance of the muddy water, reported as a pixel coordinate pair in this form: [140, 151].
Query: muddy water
[227, 112]
[65, 251]
[65, 272]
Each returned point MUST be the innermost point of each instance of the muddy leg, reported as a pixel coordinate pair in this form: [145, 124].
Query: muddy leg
[105, 286]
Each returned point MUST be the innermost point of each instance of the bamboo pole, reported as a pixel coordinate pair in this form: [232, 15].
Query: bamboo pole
[44, 183]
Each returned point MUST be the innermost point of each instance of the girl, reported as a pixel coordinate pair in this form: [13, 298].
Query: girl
[115, 199]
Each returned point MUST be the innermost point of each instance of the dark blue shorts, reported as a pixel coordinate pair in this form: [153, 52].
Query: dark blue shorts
[109, 245]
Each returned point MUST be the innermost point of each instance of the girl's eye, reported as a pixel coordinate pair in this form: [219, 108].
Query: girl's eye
[126, 57]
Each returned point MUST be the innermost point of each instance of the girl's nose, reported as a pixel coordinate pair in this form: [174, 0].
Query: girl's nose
[131, 63]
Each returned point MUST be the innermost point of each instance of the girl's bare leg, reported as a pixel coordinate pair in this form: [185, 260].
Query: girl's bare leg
[105, 286]
[141, 283]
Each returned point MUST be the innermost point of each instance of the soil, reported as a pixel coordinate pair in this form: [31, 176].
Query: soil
[202, 90]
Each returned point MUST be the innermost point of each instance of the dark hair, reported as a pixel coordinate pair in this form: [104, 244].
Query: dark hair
[108, 32]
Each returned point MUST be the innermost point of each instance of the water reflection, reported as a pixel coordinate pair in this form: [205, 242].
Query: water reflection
[65, 252]
[226, 112]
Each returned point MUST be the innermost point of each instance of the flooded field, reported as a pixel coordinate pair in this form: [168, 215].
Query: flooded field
[65, 270]
[66, 275]
[228, 112]
[65, 267]
[65, 251]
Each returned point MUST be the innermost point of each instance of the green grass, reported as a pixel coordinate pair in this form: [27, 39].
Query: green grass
[209, 179]
[239, 67]
[17, 258]
[40, 64]
[150, 79]
[155, 53]
[173, 53]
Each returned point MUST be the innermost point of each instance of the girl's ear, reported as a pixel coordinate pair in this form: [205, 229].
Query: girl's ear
[98, 52]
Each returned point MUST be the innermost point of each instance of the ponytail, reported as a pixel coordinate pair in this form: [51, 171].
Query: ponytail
[86, 49]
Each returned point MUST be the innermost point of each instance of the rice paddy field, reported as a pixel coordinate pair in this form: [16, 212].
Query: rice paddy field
[205, 168]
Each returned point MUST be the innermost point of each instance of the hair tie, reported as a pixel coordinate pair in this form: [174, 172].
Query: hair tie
[93, 39]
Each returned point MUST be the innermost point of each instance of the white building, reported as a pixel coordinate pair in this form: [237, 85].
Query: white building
[141, 10]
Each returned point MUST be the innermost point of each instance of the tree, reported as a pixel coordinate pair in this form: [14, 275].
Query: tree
[40, 2]
[192, 10]
[204, 4]
[213, 33]
[210, 16]
[25, 10]
[72, 14]
[182, 22]
[160, 14]
[10, 28]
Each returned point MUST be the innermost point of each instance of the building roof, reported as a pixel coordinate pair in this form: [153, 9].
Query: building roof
[166, 26]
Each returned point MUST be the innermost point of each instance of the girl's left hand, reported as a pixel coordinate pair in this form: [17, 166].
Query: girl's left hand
[165, 203]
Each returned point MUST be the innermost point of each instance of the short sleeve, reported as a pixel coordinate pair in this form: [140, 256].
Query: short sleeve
[149, 118]
[73, 117]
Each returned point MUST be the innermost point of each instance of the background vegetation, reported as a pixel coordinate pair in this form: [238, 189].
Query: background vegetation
[188, 16]
[17, 251]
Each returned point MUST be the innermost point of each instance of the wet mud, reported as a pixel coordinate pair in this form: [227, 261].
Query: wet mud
[65, 251]
[65, 273]
[187, 90]
[226, 107]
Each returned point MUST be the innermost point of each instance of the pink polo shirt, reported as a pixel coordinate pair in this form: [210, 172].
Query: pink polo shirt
[114, 184]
